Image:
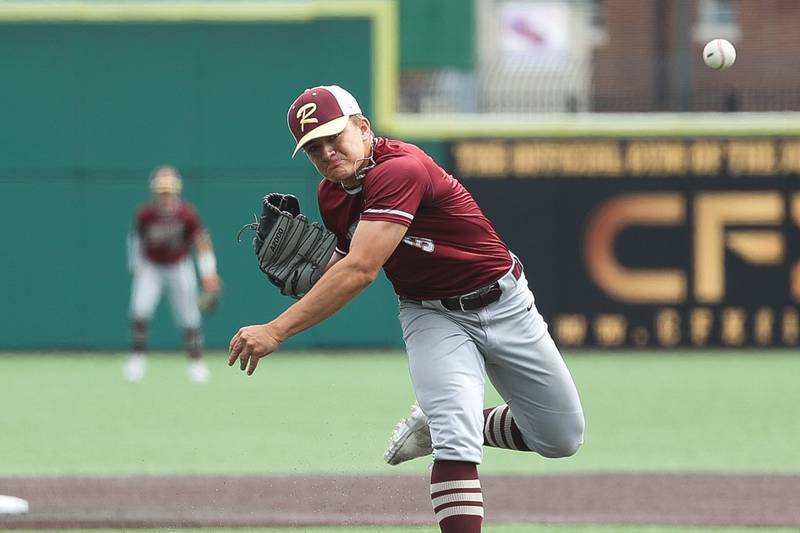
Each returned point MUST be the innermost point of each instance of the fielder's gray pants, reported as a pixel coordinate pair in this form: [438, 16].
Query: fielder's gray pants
[148, 281]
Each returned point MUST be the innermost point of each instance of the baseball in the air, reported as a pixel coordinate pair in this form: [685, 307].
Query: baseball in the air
[719, 54]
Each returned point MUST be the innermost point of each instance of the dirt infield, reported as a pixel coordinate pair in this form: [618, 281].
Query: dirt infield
[226, 501]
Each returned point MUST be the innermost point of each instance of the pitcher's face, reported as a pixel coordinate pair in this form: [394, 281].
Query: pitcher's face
[337, 157]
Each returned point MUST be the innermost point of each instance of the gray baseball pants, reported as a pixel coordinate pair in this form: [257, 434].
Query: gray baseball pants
[451, 352]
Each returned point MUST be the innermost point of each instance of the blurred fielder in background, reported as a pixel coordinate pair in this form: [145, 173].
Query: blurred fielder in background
[465, 307]
[159, 254]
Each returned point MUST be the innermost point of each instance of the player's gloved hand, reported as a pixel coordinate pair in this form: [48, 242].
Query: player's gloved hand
[283, 202]
[291, 251]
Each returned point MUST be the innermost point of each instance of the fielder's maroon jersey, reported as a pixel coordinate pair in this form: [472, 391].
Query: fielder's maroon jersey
[167, 236]
[450, 247]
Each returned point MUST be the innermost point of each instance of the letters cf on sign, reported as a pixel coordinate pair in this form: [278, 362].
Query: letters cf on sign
[746, 223]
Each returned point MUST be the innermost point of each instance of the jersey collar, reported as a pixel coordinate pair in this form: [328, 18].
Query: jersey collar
[354, 190]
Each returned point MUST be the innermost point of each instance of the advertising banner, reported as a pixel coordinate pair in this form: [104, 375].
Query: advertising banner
[650, 242]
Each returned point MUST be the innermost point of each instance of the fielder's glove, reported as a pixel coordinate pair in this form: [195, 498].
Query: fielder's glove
[207, 301]
[292, 252]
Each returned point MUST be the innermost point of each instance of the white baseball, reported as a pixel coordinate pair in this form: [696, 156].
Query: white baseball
[719, 54]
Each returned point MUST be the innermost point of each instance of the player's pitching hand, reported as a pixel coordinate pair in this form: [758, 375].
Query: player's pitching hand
[250, 344]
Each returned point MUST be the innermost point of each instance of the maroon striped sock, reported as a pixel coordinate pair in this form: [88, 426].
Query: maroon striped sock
[456, 496]
[500, 430]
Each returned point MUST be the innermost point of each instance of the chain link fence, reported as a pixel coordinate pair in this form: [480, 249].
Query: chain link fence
[575, 56]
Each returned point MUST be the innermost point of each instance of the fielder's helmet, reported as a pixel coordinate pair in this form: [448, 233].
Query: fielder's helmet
[166, 178]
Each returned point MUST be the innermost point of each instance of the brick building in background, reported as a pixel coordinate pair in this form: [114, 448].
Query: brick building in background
[563, 56]
[650, 56]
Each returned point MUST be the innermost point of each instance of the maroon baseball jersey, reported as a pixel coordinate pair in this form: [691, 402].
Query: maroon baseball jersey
[167, 236]
[450, 247]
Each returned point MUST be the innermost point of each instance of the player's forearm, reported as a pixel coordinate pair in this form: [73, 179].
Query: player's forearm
[340, 284]
[206, 260]
[203, 243]
[134, 252]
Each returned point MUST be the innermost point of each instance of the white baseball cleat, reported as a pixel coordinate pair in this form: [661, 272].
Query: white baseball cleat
[198, 371]
[134, 368]
[411, 438]
[13, 505]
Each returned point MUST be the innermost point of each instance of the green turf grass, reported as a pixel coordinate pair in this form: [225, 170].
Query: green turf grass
[324, 413]
[524, 528]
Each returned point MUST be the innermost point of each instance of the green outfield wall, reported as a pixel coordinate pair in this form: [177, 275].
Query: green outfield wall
[90, 106]
[95, 94]
[436, 34]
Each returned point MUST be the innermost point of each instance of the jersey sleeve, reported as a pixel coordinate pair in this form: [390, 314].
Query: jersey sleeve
[342, 246]
[342, 243]
[194, 226]
[395, 190]
[140, 221]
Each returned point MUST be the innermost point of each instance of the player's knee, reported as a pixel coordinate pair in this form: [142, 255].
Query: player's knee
[565, 443]
[563, 448]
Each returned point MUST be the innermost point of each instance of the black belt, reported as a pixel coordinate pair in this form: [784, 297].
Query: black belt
[482, 297]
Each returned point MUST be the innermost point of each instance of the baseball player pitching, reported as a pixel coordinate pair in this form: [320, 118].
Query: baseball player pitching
[159, 255]
[465, 307]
